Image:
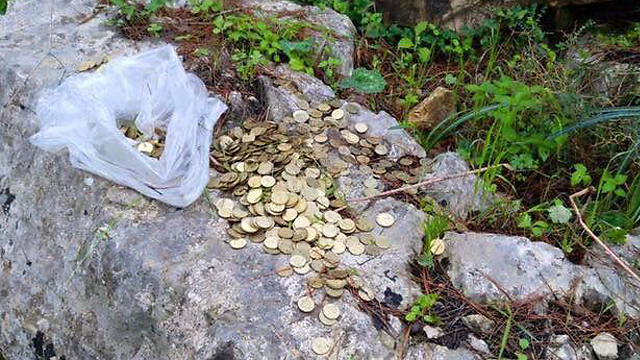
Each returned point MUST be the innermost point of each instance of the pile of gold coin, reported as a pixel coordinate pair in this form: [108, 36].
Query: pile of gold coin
[280, 184]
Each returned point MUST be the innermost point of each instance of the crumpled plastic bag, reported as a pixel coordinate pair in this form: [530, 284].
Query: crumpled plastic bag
[83, 114]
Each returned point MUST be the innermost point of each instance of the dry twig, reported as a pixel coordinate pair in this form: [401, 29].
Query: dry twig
[430, 182]
[608, 250]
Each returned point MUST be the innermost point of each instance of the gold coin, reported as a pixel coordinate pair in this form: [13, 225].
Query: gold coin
[279, 197]
[352, 108]
[145, 147]
[238, 243]
[297, 261]
[331, 311]
[321, 345]
[284, 271]
[437, 247]
[347, 225]
[301, 222]
[324, 107]
[312, 172]
[356, 281]
[267, 181]
[285, 233]
[326, 321]
[300, 116]
[381, 150]
[285, 246]
[320, 138]
[284, 147]
[385, 219]
[264, 222]
[254, 196]
[330, 230]
[306, 304]
[254, 182]
[312, 234]
[247, 225]
[335, 293]
[316, 253]
[265, 168]
[271, 242]
[315, 282]
[338, 247]
[356, 249]
[257, 238]
[302, 270]
[337, 114]
[336, 283]
[332, 216]
[290, 215]
[361, 128]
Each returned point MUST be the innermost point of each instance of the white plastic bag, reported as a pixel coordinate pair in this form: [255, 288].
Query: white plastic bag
[153, 88]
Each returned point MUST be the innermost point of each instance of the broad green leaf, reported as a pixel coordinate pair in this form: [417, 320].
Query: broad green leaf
[3, 7]
[405, 43]
[424, 54]
[411, 316]
[525, 221]
[421, 27]
[364, 81]
[524, 343]
[300, 46]
[559, 214]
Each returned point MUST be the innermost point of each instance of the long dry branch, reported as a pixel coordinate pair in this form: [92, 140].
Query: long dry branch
[429, 182]
[606, 248]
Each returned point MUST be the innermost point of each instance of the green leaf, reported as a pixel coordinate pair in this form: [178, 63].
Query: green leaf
[3, 7]
[620, 192]
[524, 343]
[421, 27]
[521, 356]
[411, 316]
[296, 64]
[424, 54]
[450, 79]
[405, 43]
[364, 81]
[559, 214]
[431, 319]
[525, 221]
[291, 46]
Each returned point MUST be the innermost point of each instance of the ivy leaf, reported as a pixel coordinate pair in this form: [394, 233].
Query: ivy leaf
[405, 43]
[291, 46]
[364, 81]
[559, 214]
[3, 7]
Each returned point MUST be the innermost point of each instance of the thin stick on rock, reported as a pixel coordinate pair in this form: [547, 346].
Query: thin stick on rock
[429, 182]
[607, 249]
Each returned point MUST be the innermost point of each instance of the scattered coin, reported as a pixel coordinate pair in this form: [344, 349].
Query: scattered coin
[284, 271]
[385, 219]
[437, 247]
[301, 116]
[297, 261]
[320, 345]
[352, 108]
[365, 293]
[331, 311]
[238, 243]
[306, 304]
[361, 128]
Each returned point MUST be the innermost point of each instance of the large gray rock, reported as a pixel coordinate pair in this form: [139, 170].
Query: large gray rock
[95, 271]
[429, 351]
[605, 282]
[335, 40]
[488, 267]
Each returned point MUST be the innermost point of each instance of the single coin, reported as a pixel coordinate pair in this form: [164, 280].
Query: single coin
[324, 107]
[335, 293]
[238, 243]
[271, 242]
[321, 138]
[254, 182]
[315, 282]
[265, 168]
[437, 247]
[330, 230]
[300, 116]
[254, 196]
[371, 183]
[290, 215]
[267, 181]
[145, 147]
[321, 345]
[306, 304]
[285, 233]
[285, 246]
[347, 225]
[297, 261]
[356, 249]
[385, 219]
[301, 222]
[364, 225]
[381, 150]
[338, 247]
[284, 271]
[337, 114]
[352, 108]
[331, 311]
[331, 216]
[336, 283]
[279, 197]
[361, 128]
